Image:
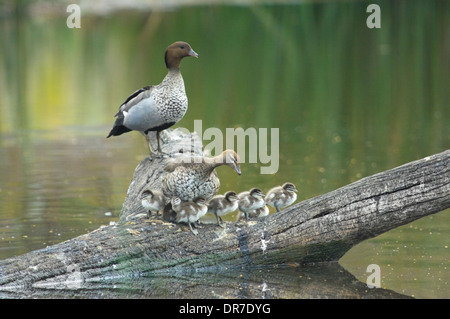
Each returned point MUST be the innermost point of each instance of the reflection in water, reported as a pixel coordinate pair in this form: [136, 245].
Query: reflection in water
[348, 101]
[286, 282]
[56, 188]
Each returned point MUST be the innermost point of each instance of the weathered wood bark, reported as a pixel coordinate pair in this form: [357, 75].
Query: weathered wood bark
[316, 230]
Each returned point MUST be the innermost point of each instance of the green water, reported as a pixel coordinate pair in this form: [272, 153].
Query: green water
[348, 101]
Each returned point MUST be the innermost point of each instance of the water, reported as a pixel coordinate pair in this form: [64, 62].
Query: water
[348, 101]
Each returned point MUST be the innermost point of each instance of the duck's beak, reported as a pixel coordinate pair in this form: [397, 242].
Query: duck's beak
[237, 168]
[193, 53]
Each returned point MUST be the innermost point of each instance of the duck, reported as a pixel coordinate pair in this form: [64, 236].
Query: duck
[281, 196]
[220, 205]
[250, 201]
[191, 177]
[189, 212]
[155, 108]
[153, 200]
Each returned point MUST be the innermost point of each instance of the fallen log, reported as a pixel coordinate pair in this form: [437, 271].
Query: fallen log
[320, 229]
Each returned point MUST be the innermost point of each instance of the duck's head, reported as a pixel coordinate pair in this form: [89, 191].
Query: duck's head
[177, 51]
[256, 192]
[200, 201]
[231, 196]
[290, 187]
[230, 158]
[146, 194]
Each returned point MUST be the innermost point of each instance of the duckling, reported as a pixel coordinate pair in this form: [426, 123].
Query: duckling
[155, 108]
[153, 200]
[250, 201]
[262, 212]
[191, 177]
[257, 213]
[221, 205]
[281, 196]
[189, 212]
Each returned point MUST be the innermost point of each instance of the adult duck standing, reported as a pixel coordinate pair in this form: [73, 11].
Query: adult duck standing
[155, 108]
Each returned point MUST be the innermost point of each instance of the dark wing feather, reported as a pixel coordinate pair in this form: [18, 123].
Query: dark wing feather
[133, 99]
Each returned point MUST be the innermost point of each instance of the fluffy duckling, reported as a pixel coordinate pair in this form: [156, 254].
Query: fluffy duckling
[189, 212]
[153, 200]
[192, 177]
[281, 196]
[257, 213]
[262, 212]
[221, 205]
[155, 108]
[250, 201]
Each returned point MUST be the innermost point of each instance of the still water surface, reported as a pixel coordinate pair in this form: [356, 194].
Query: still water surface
[348, 101]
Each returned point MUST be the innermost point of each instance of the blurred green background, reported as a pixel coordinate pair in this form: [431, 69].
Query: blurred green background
[349, 102]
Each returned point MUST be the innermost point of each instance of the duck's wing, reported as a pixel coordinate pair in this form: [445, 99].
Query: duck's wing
[134, 99]
[131, 101]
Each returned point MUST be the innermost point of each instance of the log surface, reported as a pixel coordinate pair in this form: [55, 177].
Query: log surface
[320, 229]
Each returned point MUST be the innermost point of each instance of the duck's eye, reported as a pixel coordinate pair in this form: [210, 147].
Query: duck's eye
[182, 47]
